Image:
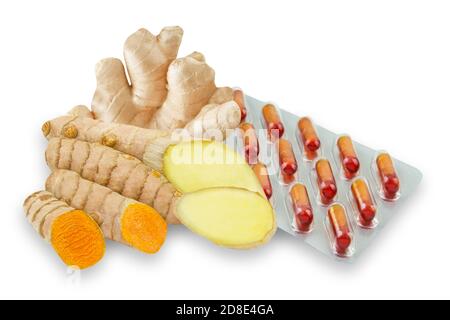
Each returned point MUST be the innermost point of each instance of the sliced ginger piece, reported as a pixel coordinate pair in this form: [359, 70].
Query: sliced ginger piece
[195, 165]
[230, 217]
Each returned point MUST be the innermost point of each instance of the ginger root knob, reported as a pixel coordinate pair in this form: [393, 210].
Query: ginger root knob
[109, 140]
[70, 132]
[46, 127]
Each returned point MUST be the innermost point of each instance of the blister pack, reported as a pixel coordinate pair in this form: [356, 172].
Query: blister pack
[327, 190]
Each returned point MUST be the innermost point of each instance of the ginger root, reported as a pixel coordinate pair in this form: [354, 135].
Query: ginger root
[147, 58]
[229, 217]
[121, 219]
[190, 87]
[115, 170]
[165, 93]
[74, 235]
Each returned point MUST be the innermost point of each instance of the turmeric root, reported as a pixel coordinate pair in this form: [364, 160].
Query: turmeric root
[147, 58]
[121, 219]
[147, 145]
[230, 217]
[74, 235]
[119, 172]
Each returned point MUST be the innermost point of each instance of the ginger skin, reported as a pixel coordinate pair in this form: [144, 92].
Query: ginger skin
[165, 93]
[147, 58]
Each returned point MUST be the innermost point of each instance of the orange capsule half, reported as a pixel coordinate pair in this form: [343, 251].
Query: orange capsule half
[263, 176]
[303, 213]
[239, 98]
[325, 180]
[364, 202]
[251, 144]
[347, 154]
[308, 135]
[388, 176]
[273, 121]
[340, 228]
[288, 163]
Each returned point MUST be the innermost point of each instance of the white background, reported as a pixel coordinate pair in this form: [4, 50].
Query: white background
[379, 70]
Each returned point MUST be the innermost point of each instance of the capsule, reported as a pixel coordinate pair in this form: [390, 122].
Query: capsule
[309, 137]
[273, 121]
[288, 163]
[238, 97]
[388, 176]
[364, 201]
[340, 228]
[349, 159]
[251, 144]
[303, 213]
[326, 181]
[263, 176]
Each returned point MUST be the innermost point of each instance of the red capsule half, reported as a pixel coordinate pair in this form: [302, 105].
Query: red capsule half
[388, 176]
[273, 122]
[340, 228]
[347, 154]
[288, 163]
[263, 176]
[325, 181]
[309, 137]
[364, 202]
[239, 98]
[303, 213]
[251, 144]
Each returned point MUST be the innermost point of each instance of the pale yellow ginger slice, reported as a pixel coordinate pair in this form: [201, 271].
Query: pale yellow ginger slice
[121, 219]
[229, 217]
[118, 171]
[195, 165]
[74, 235]
[147, 58]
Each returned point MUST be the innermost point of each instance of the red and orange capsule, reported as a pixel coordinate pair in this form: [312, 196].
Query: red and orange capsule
[288, 163]
[347, 154]
[325, 180]
[364, 202]
[388, 176]
[303, 213]
[239, 98]
[309, 137]
[263, 176]
[340, 227]
[251, 144]
[273, 122]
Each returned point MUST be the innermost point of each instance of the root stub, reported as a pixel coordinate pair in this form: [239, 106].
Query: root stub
[230, 217]
[77, 239]
[143, 228]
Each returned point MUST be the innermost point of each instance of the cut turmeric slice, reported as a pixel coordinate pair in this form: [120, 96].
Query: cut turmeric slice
[74, 235]
[143, 228]
[121, 219]
[77, 239]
